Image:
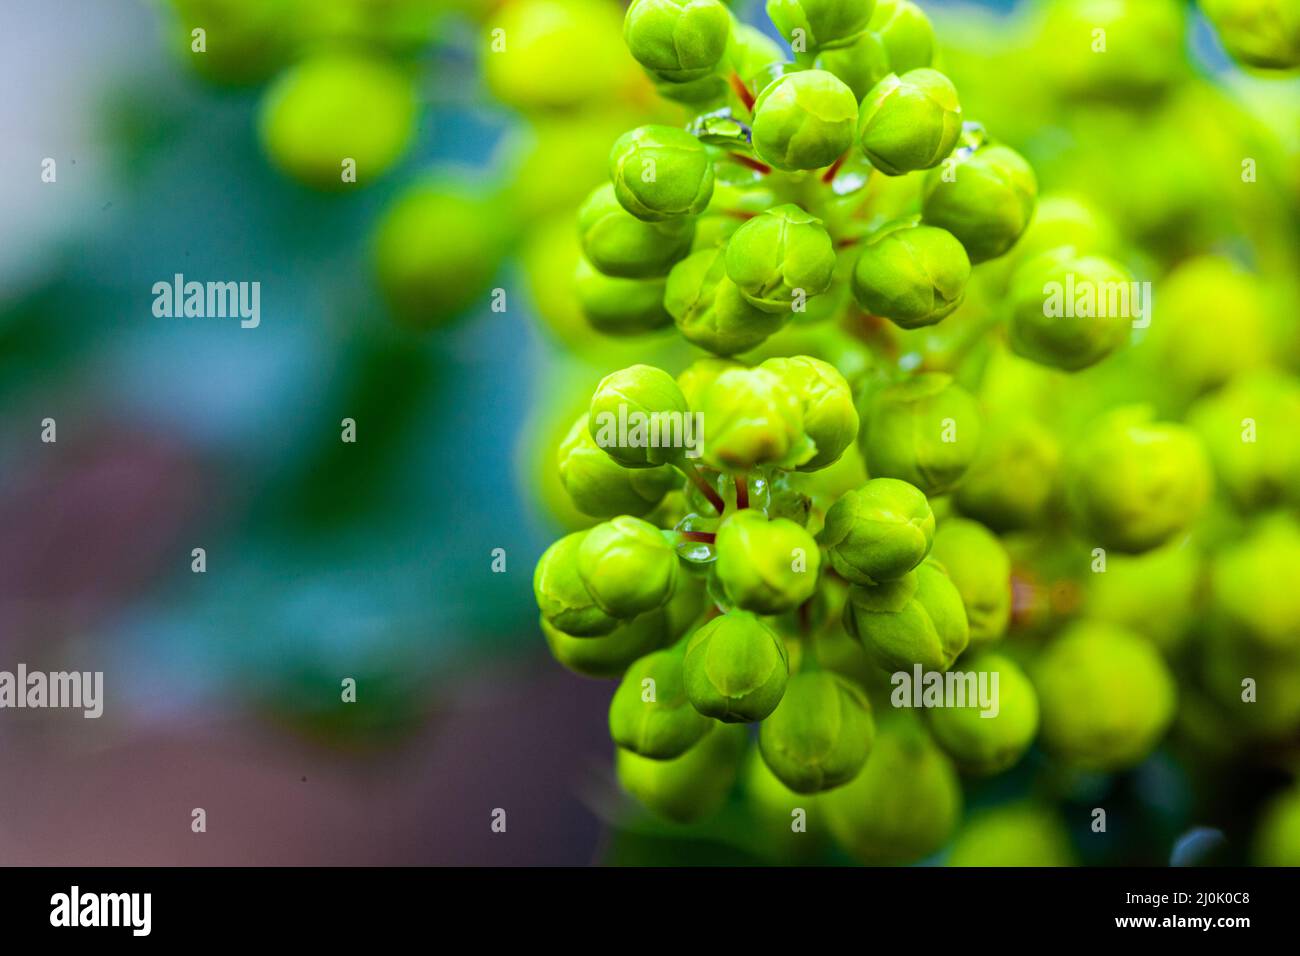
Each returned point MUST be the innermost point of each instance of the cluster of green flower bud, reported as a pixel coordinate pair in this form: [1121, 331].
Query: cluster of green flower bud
[837, 517]
[714, 619]
[943, 434]
[759, 212]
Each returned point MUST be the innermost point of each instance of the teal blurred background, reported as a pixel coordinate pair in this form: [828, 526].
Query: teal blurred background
[325, 560]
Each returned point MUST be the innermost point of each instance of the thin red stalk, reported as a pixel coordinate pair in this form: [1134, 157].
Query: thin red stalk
[828, 177]
[742, 492]
[742, 91]
[705, 537]
[706, 489]
[752, 163]
[847, 243]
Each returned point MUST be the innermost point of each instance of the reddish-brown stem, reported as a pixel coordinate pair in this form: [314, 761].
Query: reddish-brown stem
[738, 214]
[828, 177]
[742, 91]
[742, 491]
[848, 243]
[704, 537]
[752, 163]
[705, 488]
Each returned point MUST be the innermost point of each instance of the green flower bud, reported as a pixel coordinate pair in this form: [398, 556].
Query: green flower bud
[1011, 480]
[915, 619]
[558, 55]
[980, 567]
[609, 654]
[600, 486]
[1253, 586]
[769, 567]
[561, 594]
[696, 378]
[1187, 344]
[860, 65]
[773, 257]
[677, 40]
[906, 33]
[649, 713]
[620, 307]
[426, 280]
[913, 275]
[1071, 311]
[710, 311]
[924, 430]
[909, 122]
[1259, 33]
[736, 668]
[820, 734]
[984, 741]
[751, 418]
[1277, 841]
[661, 172]
[1018, 834]
[691, 787]
[751, 51]
[637, 395]
[986, 200]
[1133, 484]
[335, 107]
[628, 566]
[804, 120]
[771, 808]
[879, 532]
[619, 244]
[829, 417]
[1143, 50]
[1152, 594]
[1105, 695]
[1249, 431]
[811, 25]
[905, 803]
